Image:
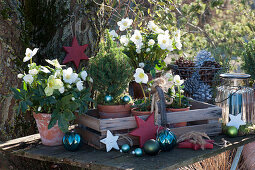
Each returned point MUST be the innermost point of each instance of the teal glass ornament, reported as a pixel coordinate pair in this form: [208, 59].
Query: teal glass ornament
[138, 152]
[71, 141]
[125, 148]
[166, 139]
[151, 147]
[126, 99]
[108, 98]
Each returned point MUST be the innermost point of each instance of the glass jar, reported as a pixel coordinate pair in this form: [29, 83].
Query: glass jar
[234, 97]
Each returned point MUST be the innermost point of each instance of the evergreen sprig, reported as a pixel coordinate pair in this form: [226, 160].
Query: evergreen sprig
[110, 71]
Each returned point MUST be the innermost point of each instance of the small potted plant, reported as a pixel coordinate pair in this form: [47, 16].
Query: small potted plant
[142, 106]
[52, 95]
[111, 73]
[178, 101]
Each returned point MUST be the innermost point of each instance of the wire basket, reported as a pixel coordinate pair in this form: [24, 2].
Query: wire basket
[207, 77]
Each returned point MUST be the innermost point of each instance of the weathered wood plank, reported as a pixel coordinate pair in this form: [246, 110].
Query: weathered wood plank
[89, 121]
[89, 158]
[210, 129]
[200, 105]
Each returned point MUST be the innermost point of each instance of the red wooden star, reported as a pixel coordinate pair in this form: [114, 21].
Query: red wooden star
[188, 144]
[75, 53]
[145, 129]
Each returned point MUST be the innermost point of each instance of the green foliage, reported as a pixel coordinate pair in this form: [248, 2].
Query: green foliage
[110, 71]
[141, 105]
[249, 58]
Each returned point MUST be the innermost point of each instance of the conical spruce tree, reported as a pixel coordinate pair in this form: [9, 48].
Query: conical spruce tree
[110, 71]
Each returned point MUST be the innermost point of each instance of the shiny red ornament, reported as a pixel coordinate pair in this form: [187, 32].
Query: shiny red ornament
[75, 53]
[145, 129]
[188, 144]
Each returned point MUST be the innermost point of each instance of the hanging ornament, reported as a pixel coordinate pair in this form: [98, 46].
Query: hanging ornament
[71, 141]
[145, 129]
[232, 131]
[108, 98]
[110, 141]
[236, 121]
[125, 148]
[166, 139]
[75, 53]
[151, 147]
[126, 99]
[137, 152]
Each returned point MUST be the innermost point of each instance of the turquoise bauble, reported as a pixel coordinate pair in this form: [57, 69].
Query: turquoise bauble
[125, 148]
[126, 99]
[166, 139]
[138, 152]
[151, 147]
[108, 98]
[71, 141]
[232, 131]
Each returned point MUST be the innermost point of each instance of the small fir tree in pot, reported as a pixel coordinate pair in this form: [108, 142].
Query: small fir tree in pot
[111, 73]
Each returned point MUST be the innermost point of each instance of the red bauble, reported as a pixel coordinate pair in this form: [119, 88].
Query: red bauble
[188, 144]
[75, 53]
[145, 129]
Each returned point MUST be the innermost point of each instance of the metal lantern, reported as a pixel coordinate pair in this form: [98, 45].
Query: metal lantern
[234, 97]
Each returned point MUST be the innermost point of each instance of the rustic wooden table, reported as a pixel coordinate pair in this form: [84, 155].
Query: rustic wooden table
[88, 157]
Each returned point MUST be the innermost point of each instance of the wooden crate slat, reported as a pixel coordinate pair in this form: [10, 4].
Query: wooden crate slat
[193, 115]
[200, 105]
[89, 121]
[210, 129]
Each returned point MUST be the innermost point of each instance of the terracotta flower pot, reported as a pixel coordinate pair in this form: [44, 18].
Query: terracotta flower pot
[49, 137]
[114, 111]
[134, 112]
[181, 124]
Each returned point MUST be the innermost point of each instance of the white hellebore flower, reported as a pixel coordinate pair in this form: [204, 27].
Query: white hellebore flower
[69, 76]
[153, 27]
[55, 63]
[73, 98]
[148, 50]
[52, 85]
[178, 81]
[29, 54]
[140, 76]
[136, 37]
[79, 85]
[20, 76]
[33, 72]
[91, 80]
[177, 39]
[124, 23]
[39, 108]
[163, 41]
[151, 42]
[141, 65]
[169, 75]
[113, 34]
[61, 89]
[178, 45]
[84, 75]
[28, 78]
[138, 50]
[124, 40]
[44, 69]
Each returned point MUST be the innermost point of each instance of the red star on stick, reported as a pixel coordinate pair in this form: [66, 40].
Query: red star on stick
[75, 53]
[188, 144]
[145, 129]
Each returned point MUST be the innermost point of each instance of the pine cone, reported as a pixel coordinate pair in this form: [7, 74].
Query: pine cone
[192, 84]
[208, 71]
[185, 68]
[203, 93]
[203, 56]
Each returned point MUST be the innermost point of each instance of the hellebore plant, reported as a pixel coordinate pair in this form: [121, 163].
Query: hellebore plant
[57, 91]
[179, 100]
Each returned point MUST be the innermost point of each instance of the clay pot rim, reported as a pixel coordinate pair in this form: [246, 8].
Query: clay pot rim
[114, 105]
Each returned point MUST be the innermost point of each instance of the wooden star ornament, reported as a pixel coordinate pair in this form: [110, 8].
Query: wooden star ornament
[75, 53]
[110, 141]
[236, 120]
[145, 129]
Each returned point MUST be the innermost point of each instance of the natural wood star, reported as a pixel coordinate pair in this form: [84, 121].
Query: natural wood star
[145, 129]
[75, 53]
